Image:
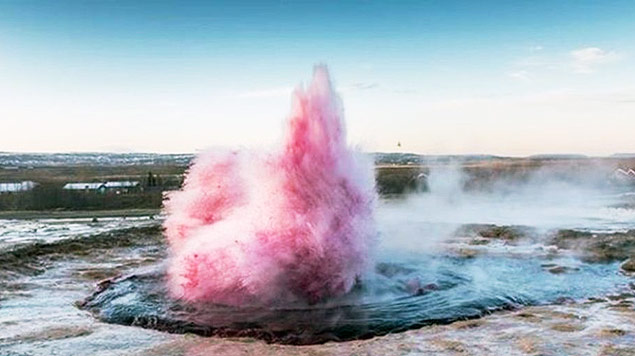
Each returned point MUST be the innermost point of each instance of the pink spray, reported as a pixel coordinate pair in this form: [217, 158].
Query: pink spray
[293, 224]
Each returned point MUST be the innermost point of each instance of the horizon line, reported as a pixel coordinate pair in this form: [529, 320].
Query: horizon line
[535, 155]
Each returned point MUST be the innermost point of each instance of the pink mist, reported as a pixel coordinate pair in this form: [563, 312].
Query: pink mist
[292, 224]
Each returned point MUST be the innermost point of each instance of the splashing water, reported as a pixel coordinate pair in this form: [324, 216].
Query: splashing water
[295, 224]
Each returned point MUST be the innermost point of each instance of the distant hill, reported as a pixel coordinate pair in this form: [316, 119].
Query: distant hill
[13, 160]
[557, 156]
[413, 158]
[8, 159]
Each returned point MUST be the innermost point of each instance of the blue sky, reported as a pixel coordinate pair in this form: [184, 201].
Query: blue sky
[438, 76]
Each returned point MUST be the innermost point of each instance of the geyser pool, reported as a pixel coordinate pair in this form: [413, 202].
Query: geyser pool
[399, 295]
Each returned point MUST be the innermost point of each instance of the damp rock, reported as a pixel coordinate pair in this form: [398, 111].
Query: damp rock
[621, 296]
[566, 327]
[564, 300]
[628, 265]
[597, 247]
[500, 232]
[561, 269]
[467, 252]
[479, 241]
[594, 300]
[415, 287]
[610, 332]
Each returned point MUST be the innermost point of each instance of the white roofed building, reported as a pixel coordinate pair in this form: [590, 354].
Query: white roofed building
[116, 186]
[624, 175]
[83, 186]
[17, 187]
[122, 184]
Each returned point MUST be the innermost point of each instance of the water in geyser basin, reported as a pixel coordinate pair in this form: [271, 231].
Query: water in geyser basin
[397, 296]
[278, 246]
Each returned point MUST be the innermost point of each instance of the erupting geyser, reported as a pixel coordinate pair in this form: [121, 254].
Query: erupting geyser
[294, 224]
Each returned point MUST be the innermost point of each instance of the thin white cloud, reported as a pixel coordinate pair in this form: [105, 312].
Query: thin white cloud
[266, 93]
[540, 62]
[585, 60]
[406, 91]
[521, 75]
[277, 92]
[367, 65]
[543, 65]
[358, 86]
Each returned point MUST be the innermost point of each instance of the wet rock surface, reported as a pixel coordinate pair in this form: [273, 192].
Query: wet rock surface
[25, 261]
[628, 265]
[596, 247]
[508, 233]
[26, 258]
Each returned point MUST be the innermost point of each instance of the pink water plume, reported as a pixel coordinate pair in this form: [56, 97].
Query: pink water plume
[292, 224]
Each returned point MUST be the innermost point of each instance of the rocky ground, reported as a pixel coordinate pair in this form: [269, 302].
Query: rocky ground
[600, 326]
[469, 240]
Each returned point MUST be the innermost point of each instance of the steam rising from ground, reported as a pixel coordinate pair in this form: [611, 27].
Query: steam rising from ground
[544, 199]
[251, 227]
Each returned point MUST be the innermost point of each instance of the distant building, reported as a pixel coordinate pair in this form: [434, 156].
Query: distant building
[624, 175]
[83, 186]
[117, 187]
[17, 187]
